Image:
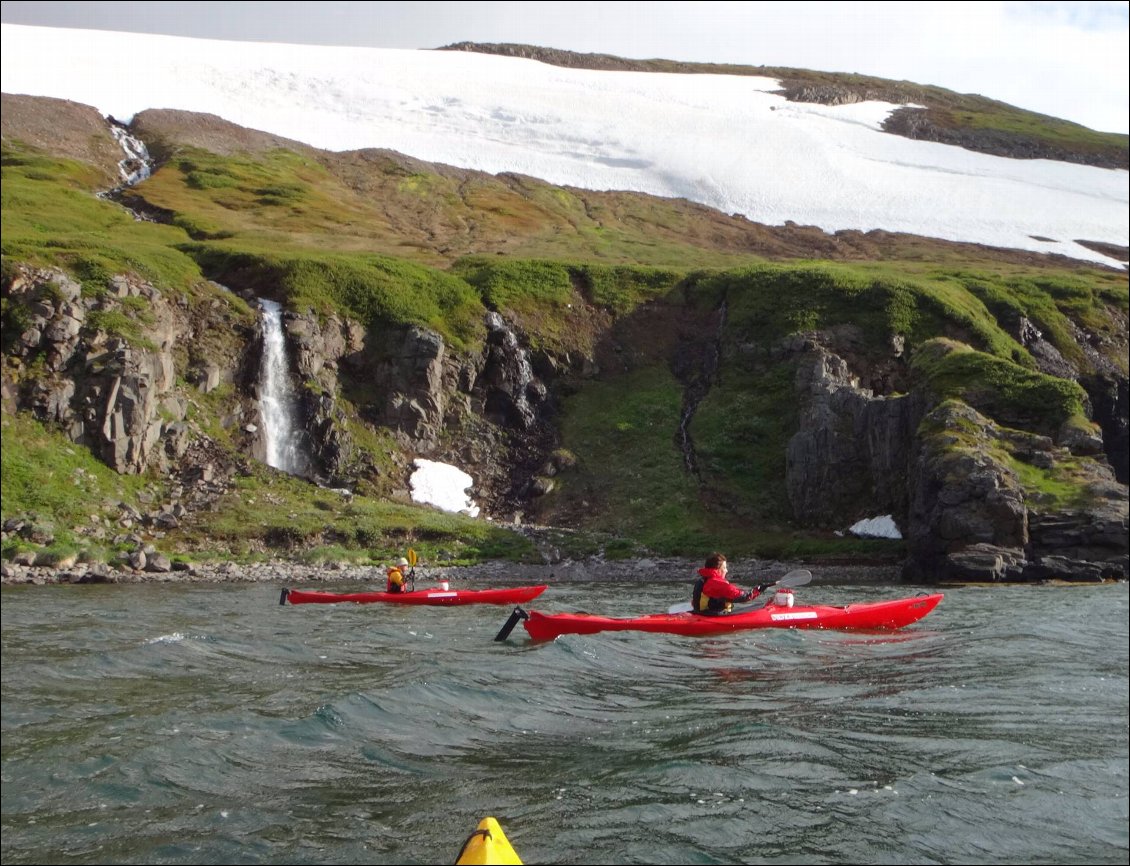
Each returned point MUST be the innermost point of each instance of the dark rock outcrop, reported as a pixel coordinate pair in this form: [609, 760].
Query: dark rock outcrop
[949, 476]
[103, 389]
[849, 459]
[967, 511]
[102, 366]
[921, 123]
[972, 518]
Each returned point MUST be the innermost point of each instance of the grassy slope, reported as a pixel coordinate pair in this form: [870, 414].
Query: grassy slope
[62, 486]
[281, 220]
[51, 217]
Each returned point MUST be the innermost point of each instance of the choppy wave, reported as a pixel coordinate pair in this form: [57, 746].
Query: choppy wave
[994, 731]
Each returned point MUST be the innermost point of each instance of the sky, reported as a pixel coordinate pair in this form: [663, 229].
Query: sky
[1064, 59]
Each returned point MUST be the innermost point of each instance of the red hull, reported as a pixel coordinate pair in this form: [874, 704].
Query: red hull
[870, 615]
[435, 597]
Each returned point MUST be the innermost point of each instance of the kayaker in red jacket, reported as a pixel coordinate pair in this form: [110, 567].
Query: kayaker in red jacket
[713, 594]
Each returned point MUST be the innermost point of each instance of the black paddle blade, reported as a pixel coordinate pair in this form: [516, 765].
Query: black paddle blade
[283, 595]
[517, 615]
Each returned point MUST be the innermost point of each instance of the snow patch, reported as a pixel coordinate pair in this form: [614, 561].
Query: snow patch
[443, 486]
[876, 527]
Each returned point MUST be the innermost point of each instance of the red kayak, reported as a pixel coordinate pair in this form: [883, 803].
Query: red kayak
[441, 597]
[869, 615]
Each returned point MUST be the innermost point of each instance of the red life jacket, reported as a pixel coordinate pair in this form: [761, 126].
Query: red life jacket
[713, 593]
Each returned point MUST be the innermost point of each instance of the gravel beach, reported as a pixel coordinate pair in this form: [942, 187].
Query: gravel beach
[490, 573]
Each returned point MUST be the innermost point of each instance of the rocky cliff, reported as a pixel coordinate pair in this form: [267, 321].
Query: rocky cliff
[984, 480]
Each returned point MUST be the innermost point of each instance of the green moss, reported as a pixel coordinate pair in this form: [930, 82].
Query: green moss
[1055, 488]
[516, 284]
[651, 497]
[741, 432]
[16, 318]
[622, 288]
[46, 474]
[121, 324]
[769, 302]
[1060, 481]
[1050, 303]
[210, 180]
[1008, 393]
[371, 289]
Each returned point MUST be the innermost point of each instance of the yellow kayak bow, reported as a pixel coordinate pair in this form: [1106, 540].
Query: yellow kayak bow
[487, 846]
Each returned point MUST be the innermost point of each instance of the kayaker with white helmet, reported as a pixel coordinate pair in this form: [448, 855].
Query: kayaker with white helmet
[396, 576]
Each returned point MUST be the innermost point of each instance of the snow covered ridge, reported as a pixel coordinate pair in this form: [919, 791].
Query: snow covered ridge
[727, 142]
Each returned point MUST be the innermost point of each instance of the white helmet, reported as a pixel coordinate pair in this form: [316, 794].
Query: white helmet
[402, 561]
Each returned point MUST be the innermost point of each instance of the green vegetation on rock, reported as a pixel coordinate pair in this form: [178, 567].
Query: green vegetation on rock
[1006, 392]
[368, 288]
[62, 484]
[269, 511]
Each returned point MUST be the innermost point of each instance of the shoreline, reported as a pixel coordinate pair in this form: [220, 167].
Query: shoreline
[283, 573]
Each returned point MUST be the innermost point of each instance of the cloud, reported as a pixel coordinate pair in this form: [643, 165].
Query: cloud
[1084, 16]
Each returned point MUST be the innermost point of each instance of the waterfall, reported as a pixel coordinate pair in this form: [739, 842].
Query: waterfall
[285, 441]
[515, 375]
[136, 166]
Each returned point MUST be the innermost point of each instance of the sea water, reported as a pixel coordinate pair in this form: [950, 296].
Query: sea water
[207, 724]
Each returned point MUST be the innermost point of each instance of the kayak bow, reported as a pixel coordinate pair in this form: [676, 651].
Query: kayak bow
[487, 845]
[434, 597]
[879, 615]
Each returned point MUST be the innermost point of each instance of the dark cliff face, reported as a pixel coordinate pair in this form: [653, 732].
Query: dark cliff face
[951, 477]
[73, 359]
[947, 474]
[851, 458]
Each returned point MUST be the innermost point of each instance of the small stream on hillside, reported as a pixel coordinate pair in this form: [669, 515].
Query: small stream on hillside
[696, 389]
[135, 166]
